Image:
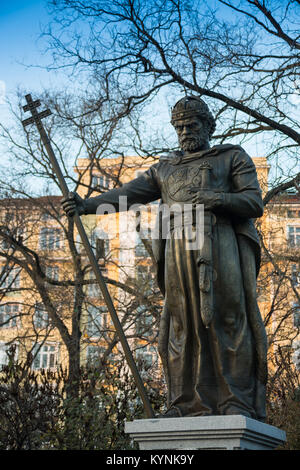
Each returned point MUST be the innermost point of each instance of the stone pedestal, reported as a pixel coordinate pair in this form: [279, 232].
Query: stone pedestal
[234, 432]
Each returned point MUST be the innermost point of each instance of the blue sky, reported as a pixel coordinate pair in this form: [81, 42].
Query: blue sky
[21, 24]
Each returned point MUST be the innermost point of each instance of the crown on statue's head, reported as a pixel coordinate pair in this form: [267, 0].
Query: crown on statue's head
[191, 106]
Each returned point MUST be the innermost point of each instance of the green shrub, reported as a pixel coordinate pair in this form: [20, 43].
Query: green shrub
[36, 413]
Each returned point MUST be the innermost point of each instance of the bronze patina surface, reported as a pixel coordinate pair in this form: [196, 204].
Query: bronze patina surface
[212, 339]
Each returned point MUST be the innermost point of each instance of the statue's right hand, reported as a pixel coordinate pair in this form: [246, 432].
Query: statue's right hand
[72, 203]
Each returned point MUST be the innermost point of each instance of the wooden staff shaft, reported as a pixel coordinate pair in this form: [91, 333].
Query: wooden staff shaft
[36, 118]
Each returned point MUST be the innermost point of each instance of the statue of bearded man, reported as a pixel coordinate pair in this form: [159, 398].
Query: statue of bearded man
[212, 339]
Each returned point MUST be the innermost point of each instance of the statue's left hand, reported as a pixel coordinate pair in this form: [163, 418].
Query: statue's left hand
[210, 199]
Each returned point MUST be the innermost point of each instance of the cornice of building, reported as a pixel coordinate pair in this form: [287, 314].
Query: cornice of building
[285, 198]
[13, 201]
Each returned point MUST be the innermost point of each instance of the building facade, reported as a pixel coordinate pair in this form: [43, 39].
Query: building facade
[39, 295]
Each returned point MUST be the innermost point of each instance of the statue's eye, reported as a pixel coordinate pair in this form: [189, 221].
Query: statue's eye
[193, 125]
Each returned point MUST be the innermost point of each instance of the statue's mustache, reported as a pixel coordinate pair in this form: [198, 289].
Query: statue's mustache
[189, 138]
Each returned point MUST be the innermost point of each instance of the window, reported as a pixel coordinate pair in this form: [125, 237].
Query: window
[40, 317]
[144, 322]
[146, 356]
[5, 245]
[4, 348]
[96, 320]
[293, 214]
[46, 216]
[144, 277]
[17, 233]
[9, 314]
[93, 290]
[296, 354]
[143, 272]
[140, 249]
[52, 272]
[293, 235]
[296, 315]
[100, 244]
[94, 354]
[101, 248]
[295, 275]
[100, 181]
[45, 356]
[10, 278]
[9, 216]
[50, 238]
[3, 354]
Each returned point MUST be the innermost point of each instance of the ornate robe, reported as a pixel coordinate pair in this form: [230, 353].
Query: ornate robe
[221, 369]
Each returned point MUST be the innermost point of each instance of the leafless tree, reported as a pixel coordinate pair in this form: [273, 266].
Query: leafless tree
[242, 56]
[26, 210]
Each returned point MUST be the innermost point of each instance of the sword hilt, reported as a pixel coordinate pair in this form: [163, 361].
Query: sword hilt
[206, 169]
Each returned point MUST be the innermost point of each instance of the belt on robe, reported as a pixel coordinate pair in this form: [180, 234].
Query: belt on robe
[188, 218]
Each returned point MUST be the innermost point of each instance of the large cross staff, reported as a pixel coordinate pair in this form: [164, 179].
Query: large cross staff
[36, 119]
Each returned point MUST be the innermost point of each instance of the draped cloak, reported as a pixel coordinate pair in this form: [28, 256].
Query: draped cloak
[221, 369]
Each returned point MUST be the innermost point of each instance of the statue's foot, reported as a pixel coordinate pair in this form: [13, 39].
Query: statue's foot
[172, 412]
[235, 410]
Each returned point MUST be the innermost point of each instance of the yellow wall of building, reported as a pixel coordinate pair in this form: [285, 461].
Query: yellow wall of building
[128, 169]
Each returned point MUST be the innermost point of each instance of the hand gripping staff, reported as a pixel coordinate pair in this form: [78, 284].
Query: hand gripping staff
[36, 119]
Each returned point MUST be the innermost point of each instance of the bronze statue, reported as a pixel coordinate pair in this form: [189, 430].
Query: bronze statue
[212, 339]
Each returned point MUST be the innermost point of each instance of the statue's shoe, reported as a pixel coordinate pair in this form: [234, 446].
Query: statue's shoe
[172, 412]
[234, 410]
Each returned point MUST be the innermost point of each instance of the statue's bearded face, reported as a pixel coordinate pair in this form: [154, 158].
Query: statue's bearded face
[192, 134]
